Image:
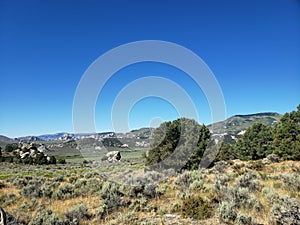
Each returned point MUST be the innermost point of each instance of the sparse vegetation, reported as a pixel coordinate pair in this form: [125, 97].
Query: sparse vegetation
[254, 186]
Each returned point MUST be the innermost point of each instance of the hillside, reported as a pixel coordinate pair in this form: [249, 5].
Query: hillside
[233, 127]
[228, 130]
[4, 138]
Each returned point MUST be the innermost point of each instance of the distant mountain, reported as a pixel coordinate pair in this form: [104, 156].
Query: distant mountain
[29, 138]
[4, 138]
[235, 126]
[228, 130]
[49, 137]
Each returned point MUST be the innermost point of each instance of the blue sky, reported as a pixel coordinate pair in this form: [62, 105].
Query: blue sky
[252, 47]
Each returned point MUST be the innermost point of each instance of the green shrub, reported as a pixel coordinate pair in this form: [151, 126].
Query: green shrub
[46, 217]
[248, 180]
[111, 197]
[20, 182]
[11, 147]
[243, 219]
[257, 165]
[139, 204]
[94, 185]
[270, 194]
[195, 207]
[30, 191]
[175, 207]
[220, 183]
[285, 212]
[65, 192]
[48, 188]
[227, 211]
[76, 214]
[59, 178]
[291, 182]
[184, 180]
[145, 184]
[197, 185]
[277, 185]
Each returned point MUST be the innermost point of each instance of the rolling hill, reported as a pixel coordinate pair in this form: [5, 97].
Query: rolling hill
[235, 126]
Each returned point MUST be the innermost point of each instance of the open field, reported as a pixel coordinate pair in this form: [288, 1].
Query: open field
[232, 192]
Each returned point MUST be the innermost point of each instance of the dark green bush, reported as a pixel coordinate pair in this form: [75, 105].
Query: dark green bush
[11, 147]
[195, 207]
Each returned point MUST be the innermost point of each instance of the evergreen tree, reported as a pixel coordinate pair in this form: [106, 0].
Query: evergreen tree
[225, 152]
[11, 147]
[287, 136]
[178, 144]
[255, 144]
[195, 159]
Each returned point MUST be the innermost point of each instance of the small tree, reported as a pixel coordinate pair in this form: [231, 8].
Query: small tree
[11, 147]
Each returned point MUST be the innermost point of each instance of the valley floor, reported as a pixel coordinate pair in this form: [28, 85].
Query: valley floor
[233, 192]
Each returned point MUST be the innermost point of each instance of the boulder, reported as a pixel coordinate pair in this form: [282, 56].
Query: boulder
[42, 148]
[272, 158]
[112, 156]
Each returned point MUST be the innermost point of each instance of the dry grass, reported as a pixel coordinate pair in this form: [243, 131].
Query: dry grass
[160, 207]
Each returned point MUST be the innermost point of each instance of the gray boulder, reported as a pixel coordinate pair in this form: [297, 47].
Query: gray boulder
[272, 158]
[112, 156]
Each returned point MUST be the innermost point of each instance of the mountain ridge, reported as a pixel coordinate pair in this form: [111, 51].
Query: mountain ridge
[231, 126]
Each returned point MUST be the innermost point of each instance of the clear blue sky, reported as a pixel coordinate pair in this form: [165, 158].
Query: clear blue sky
[252, 47]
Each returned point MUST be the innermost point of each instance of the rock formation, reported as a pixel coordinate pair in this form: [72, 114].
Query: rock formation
[112, 156]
